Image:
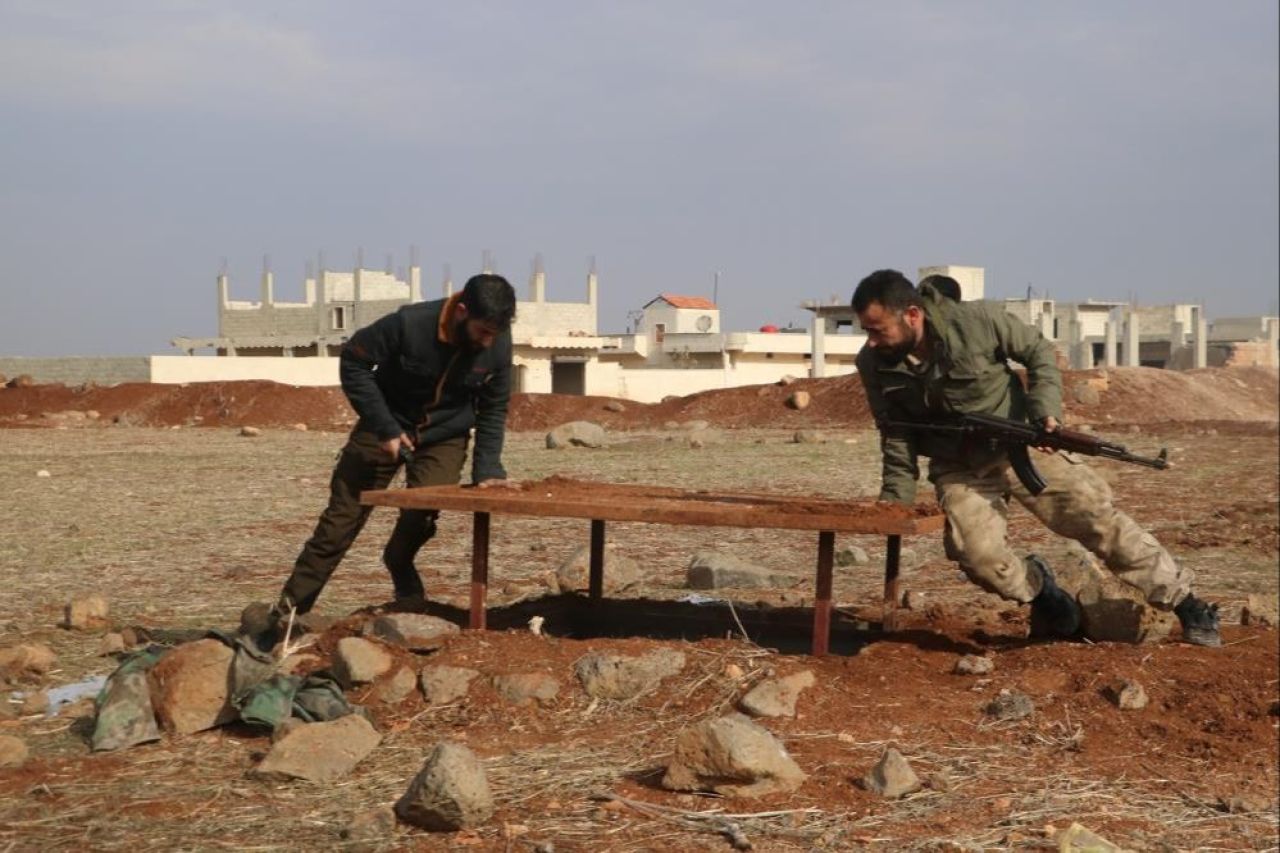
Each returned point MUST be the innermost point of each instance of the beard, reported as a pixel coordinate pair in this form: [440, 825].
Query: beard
[460, 333]
[897, 353]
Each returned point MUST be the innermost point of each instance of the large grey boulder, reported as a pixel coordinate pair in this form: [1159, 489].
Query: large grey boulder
[359, 661]
[731, 756]
[776, 697]
[444, 684]
[716, 570]
[620, 571]
[319, 752]
[606, 676]
[191, 687]
[892, 776]
[449, 793]
[416, 632]
[576, 434]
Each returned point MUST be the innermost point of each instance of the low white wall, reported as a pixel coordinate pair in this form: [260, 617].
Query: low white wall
[178, 369]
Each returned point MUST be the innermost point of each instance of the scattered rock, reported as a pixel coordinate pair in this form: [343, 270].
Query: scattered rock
[1077, 839]
[798, 400]
[787, 380]
[13, 751]
[319, 752]
[808, 436]
[300, 427]
[776, 697]
[1085, 394]
[606, 676]
[1259, 612]
[939, 781]
[1243, 804]
[416, 632]
[396, 688]
[371, 830]
[892, 777]
[25, 661]
[732, 756]
[615, 406]
[523, 688]
[449, 793]
[699, 438]
[250, 432]
[43, 474]
[913, 600]
[1126, 695]
[191, 687]
[1010, 705]
[852, 555]
[695, 426]
[1110, 611]
[21, 381]
[974, 665]
[34, 703]
[86, 614]
[620, 571]
[444, 684]
[716, 570]
[111, 644]
[576, 434]
[359, 661]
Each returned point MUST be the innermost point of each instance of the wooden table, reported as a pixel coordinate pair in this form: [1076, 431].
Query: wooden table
[559, 497]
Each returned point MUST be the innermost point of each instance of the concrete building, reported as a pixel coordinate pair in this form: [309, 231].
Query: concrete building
[972, 280]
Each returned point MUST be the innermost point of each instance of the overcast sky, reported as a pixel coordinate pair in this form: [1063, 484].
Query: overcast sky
[1109, 149]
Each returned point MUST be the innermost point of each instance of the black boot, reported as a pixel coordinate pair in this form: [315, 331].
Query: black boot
[1054, 613]
[1200, 621]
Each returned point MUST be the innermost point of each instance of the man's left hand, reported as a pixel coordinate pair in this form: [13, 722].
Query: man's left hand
[1049, 424]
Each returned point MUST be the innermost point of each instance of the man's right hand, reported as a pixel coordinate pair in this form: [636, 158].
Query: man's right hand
[392, 446]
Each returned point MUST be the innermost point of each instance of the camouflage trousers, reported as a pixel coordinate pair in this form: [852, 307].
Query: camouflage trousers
[1076, 504]
[363, 465]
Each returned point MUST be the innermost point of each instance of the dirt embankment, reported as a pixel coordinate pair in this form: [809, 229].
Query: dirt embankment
[1115, 396]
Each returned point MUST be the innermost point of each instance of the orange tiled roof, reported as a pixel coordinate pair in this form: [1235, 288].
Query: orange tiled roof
[687, 301]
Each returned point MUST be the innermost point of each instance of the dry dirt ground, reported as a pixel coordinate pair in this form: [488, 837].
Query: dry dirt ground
[180, 528]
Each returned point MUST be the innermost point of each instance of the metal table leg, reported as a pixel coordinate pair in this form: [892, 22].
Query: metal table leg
[892, 555]
[596, 585]
[479, 567]
[822, 594]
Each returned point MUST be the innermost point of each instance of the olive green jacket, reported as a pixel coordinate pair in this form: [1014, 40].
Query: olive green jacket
[968, 372]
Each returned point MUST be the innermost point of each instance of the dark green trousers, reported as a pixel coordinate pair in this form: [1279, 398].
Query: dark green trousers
[364, 465]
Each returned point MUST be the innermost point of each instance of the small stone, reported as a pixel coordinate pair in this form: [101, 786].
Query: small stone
[449, 793]
[250, 432]
[359, 661]
[86, 614]
[320, 752]
[397, 688]
[525, 688]
[134, 636]
[939, 781]
[852, 555]
[576, 434]
[892, 777]
[615, 406]
[695, 426]
[371, 830]
[808, 436]
[777, 697]
[914, 600]
[799, 400]
[35, 703]
[974, 665]
[111, 644]
[1127, 695]
[43, 473]
[1259, 612]
[1243, 804]
[416, 632]
[1077, 839]
[732, 756]
[13, 751]
[26, 661]
[1010, 705]
[787, 380]
[733, 672]
[299, 427]
[444, 684]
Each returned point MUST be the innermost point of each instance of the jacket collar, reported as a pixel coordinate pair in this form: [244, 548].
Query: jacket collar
[445, 327]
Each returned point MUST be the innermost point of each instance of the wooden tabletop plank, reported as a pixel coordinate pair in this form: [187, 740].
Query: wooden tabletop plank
[560, 497]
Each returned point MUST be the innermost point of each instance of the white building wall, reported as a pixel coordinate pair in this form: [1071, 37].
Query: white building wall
[181, 369]
[972, 280]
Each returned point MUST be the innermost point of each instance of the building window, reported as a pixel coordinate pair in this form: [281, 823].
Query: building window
[659, 332]
[339, 317]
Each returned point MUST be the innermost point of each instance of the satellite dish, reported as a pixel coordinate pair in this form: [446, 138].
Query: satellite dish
[704, 323]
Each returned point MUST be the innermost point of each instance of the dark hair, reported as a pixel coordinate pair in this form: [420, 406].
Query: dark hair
[944, 284]
[490, 298]
[890, 288]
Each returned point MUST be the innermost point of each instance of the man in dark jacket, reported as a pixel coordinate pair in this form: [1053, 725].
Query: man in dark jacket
[420, 379]
[929, 357]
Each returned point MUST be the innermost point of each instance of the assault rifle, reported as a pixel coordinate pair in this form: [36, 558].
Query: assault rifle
[1014, 437]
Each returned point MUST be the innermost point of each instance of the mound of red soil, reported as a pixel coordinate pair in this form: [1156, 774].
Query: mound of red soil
[1123, 395]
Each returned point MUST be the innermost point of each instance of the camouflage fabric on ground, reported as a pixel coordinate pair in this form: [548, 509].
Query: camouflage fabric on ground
[124, 714]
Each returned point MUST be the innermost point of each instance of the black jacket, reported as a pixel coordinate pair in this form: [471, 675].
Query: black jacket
[401, 377]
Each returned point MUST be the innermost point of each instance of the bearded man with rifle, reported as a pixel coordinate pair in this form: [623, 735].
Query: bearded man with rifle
[937, 378]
